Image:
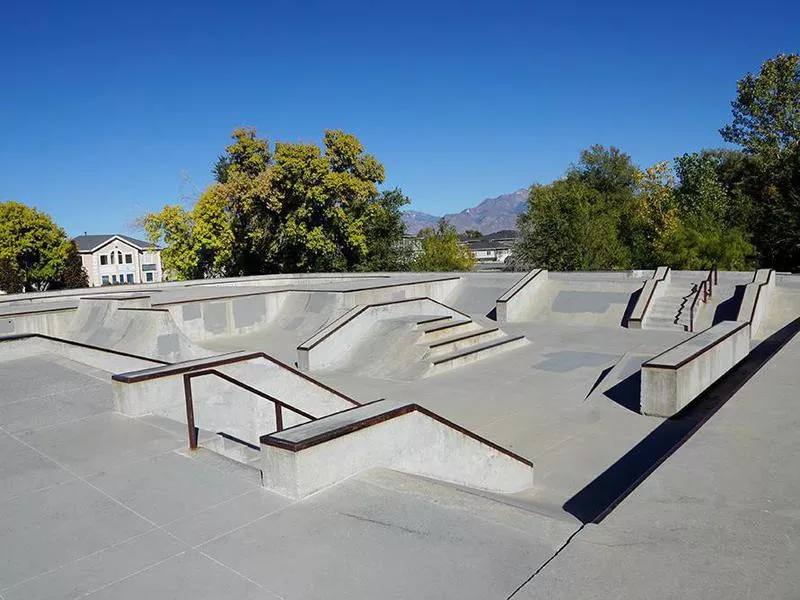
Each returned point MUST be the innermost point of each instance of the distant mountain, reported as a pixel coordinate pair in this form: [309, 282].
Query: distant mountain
[493, 214]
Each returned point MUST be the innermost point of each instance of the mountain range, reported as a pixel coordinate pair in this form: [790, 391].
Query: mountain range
[493, 214]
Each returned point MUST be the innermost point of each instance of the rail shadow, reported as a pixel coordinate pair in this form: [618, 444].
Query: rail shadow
[596, 501]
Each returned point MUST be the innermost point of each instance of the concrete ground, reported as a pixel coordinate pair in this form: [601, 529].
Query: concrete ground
[95, 504]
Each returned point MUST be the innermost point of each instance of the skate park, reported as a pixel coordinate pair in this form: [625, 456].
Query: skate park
[546, 417]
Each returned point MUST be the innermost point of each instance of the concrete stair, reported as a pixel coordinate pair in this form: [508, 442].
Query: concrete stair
[453, 343]
[671, 310]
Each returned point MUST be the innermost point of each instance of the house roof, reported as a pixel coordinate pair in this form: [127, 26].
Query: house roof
[486, 244]
[88, 243]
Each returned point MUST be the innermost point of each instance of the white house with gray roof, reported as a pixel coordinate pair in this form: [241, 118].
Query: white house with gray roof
[119, 259]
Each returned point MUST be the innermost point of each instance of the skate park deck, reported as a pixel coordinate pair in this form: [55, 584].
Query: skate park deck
[137, 512]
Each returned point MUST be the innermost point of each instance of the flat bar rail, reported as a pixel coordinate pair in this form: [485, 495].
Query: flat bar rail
[187, 391]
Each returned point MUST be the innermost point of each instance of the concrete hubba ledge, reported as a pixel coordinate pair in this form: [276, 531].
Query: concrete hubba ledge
[652, 289]
[522, 298]
[756, 299]
[674, 378]
[396, 435]
[332, 344]
[220, 405]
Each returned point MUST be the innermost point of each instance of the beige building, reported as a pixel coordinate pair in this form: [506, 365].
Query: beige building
[119, 260]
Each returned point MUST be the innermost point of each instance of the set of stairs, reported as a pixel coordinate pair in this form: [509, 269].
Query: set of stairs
[670, 311]
[453, 342]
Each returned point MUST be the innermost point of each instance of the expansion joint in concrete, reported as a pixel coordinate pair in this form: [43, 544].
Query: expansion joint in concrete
[547, 562]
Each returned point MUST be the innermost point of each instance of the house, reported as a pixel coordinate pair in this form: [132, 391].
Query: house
[119, 259]
[493, 247]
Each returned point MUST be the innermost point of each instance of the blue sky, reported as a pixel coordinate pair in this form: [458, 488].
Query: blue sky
[109, 110]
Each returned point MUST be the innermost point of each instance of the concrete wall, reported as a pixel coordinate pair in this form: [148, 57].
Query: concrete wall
[652, 289]
[674, 378]
[413, 442]
[523, 298]
[99, 358]
[756, 299]
[332, 344]
[47, 322]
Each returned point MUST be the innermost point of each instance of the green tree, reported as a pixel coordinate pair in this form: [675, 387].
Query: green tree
[74, 274]
[472, 234]
[766, 111]
[384, 233]
[299, 207]
[33, 248]
[440, 250]
[583, 221]
[197, 243]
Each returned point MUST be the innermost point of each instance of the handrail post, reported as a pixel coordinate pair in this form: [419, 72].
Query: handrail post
[187, 393]
[278, 417]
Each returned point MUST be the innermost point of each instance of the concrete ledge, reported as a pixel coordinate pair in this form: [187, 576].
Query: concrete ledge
[756, 299]
[105, 359]
[52, 321]
[522, 298]
[652, 289]
[674, 378]
[396, 435]
[331, 344]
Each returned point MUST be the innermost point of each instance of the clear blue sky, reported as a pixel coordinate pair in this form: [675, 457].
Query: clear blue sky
[106, 108]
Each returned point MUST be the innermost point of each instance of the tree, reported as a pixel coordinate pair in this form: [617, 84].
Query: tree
[74, 274]
[656, 215]
[197, 243]
[385, 233]
[440, 250]
[472, 234]
[299, 207]
[583, 221]
[766, 111]
[707, 232]
[33, 248]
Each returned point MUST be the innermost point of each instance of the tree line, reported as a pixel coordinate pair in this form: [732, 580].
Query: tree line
[737, 209]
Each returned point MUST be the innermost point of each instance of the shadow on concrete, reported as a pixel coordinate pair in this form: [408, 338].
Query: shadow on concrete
[596, 501]
[599, 380]
[628, 392]
[729, 309]
[629, 309]
[492, 314]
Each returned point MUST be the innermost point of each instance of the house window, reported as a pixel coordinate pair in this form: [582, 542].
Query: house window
[112, 258]
[149, 276]
[129, 277]
[104, 259]
[128, 259]
[113, 278]
[105, 277]
[119, 257]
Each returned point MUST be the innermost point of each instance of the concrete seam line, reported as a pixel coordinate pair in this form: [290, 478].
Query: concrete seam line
[547, 562]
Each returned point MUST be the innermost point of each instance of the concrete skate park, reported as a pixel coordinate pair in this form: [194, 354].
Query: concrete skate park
[425, 435]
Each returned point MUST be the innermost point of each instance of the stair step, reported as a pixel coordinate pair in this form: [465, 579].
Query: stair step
[449, 329]
[460, 342]
[431, 320]
[476, 353]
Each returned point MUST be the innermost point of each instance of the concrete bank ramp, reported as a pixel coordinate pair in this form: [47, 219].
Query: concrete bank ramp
[386, 434]
[128, 323]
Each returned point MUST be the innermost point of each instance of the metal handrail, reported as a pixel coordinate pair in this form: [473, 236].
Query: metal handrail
[187, 391]
[705, 286]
